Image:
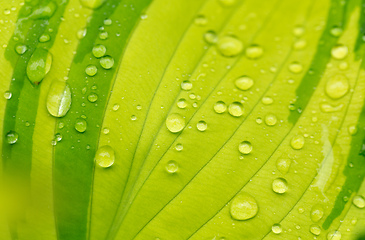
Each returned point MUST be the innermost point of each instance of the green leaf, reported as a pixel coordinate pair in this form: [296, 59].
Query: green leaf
[210, 119]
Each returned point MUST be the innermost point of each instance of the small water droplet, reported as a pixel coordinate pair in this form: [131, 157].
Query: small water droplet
[271, 120]
[107, 62]
[99, 50]
[172, 166]
[12, 137]
[254, 52]
[133, 117]
[244, 83]
[175, 122]
[181, 103]
[211, 37]
[186, 85]
[105, 156]
[315, 229]
[336, 31]
[230, 46]
[298, 31]
[283, 165]
[115, 107]
[235, 109]
[267, 100]
[245, 147]
[337, 86]
[201, 126]
[58, 137]
[59, 99]
[179, 147]
[39, 65]
[44, 38]
[297, 142]
[201, 20]
[93, 97]
[243, 207]
[61, 125]
[92, 4]
[220, 107]
[81, 33]
[276, 228]
[295, 67]
[329, 108]
[258, 120]
[339, 51]
[80, 125]
[317, 213]
[91, 70]
[352, 129]
[334, 235]
[359, 201]
[108, 22]
[280, 185]
[300, 44]
[106, 130]
[103, 35]
[20, 49]
[8, 95]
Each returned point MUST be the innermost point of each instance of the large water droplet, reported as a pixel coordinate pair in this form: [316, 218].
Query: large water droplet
[80, 125]
[280, 185]
[12, 137]
[201, 20]
[254, 52]
[245, 147]
[317, 213]
[105, 156]
[339, 51]
[315, 229]
[175, 122]
[202, 126]
[220, 107]
[230, 46]
[186, 85]
[93, 4]
[270, 120]
[107, 62]
[59, 99]
[276, 228]
[334, 235]
[99, 51]
[243, 207]
[172, 166]
[244, 83]
[297, 142]
[359, 201]
[337, 86]
[283, 165]
[39, 65]
[235, 109]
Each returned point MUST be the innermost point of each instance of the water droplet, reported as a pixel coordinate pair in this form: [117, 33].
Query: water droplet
[91, 70]
[7, 11]
[245, 147]
[179, 147]
[283, 165]
[235, 109]
[211, 37]
[61, 125]
[328, 108]
[352, 129]
[59, 99]
[201, 126]
[106, 130]
[44, 11]
[270, 120]
[339, 51]
[243, 207]
[298, 31]
[108, 22]
[227, 3]
[12, 137]
[39, 65]
[295, 67]
[93, 4]
[244, 83]
[103, 35]
[220, 107]
[336, 31]
[8, 95]
[181, 103]
[44, 38]
[115, 107]
[175, 122]
[93, 97]
[317, 213]
[280, 185]
[186, 85]
[258, 120]
[343, 65]
[20, 49]
[297, 142]
[254, 52]
[267, 100]
[276, 228]
[334, 235]
[99, 51]
[315, 229]
[105, 156]
[337, 86]
[230, 46]
[81, 33]
[172, 166]
[58, 137]
[80, 125]
[107, 62]
[201, 20]
[300, 44]
[359, 201]
[133, 117]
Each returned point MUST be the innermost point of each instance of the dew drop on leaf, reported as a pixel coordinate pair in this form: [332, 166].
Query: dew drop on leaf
[91, 70]
[39, 65]
[59, 99]
[300, 44]
[106, 130]
[175, 122]
[329, 108]
[186, 85]
[337, 86]
[179, 147]
[276, 228]
[92, 4]
[235, 109]
[295, 67]
[283, 165]
[8, 95]
[201, 126]
[200, 20]
[99, 50]
[258, 120]
[245, 147]
[243, 207]
[298, 31]
[181, 103]
[80, 125]
[20, 49]
[172, 166]
[339, 51]
[334, 235]
[107, 62]
[244, 83]
[336, 31]
[297, 142]
[108, 22]
[316, 213]
[210, 37]
[12, 137]
[81, 33]
[230, 46]
[115, 107]
[267, 100]
[270, 119]
[254, 52]
[220, 107]
[93, 97]
[103, 35]
[280, 185]
[44, 38]
[315, 229]
[105, 156]
[359, 201]
[352, 129]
